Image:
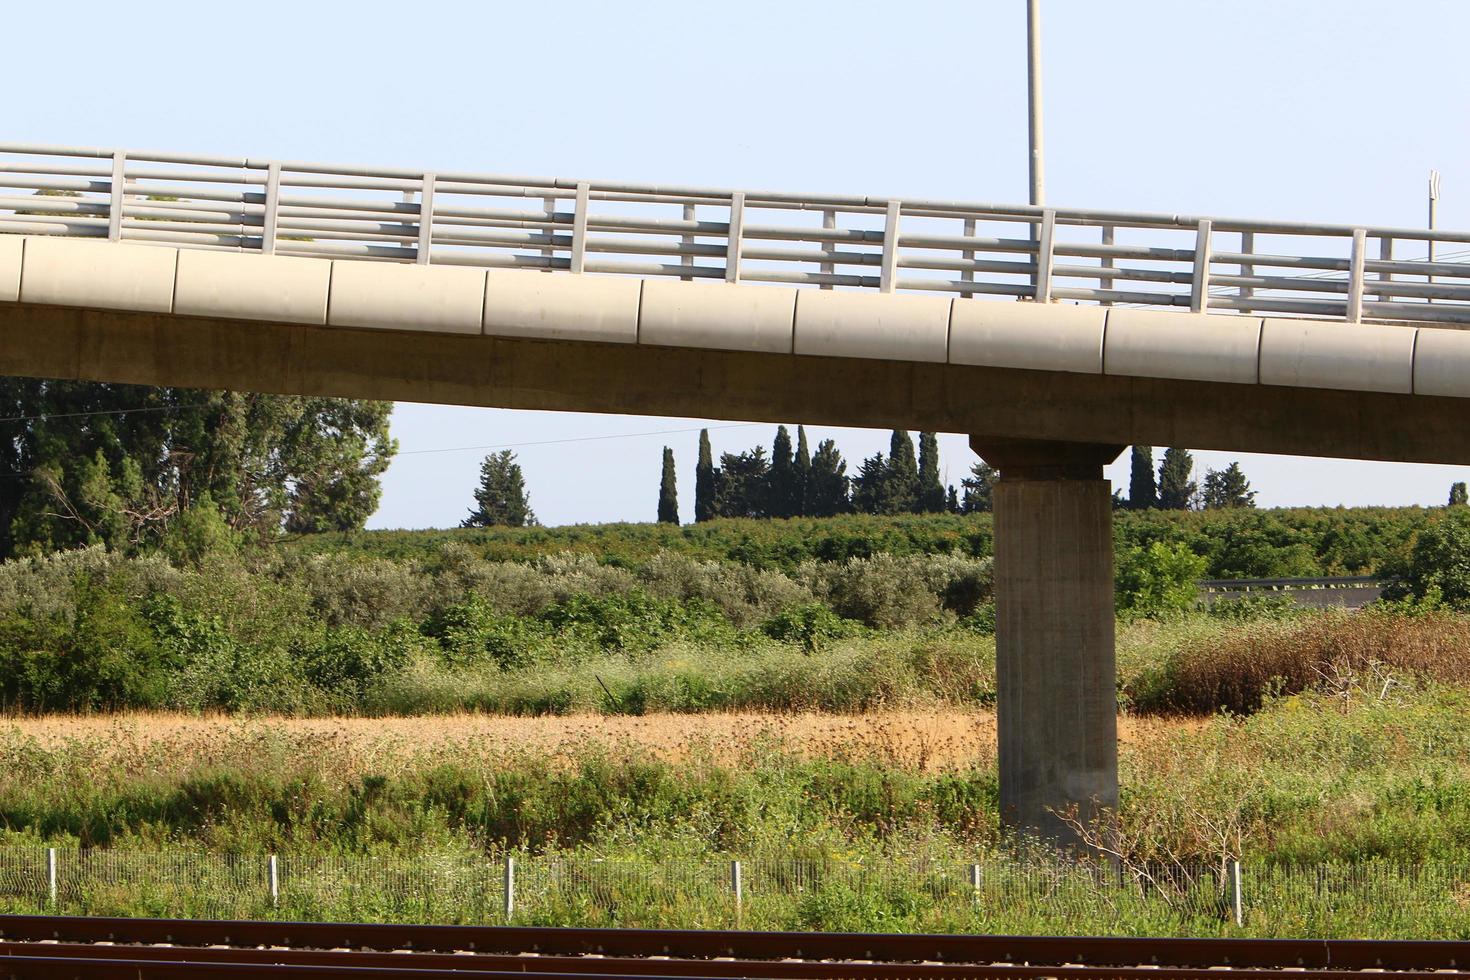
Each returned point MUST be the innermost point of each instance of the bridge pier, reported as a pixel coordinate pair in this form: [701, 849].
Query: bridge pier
[1055, 658]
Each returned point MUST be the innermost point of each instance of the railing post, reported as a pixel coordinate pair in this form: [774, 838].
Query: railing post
[510, 887]
[890, 247]
[1355, 276]
[687, 241]
[732, 244]
[579, 228]
[1199, 290]
[968, 275]
[549, 252]
[115, 208]
[737, 888]
[1044, 245]
[272, 209]
[1247, 247]
[1237, 902]
[274, 873]
[829, 222]
[426, 219]
[1385, 254]
[52, 889]
[1106, 282]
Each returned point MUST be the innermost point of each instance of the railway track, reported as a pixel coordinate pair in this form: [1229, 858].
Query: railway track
[183, 949]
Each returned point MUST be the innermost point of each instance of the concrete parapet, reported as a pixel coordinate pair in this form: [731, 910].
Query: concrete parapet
[1442, 362]
[390, 296]
[100, 274]
[719, 316]
[1183, 346]
[600, 309]
[1030, 336]
[890, 326]
[1345, 356]
[11, 247]
[252, 287]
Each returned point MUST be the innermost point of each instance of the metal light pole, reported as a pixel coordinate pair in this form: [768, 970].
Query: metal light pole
[1433, 208]
[1033, 77]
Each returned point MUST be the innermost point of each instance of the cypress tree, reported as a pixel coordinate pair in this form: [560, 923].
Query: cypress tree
[1143, 492]
[902, 486]
[952, 502]
[1176, 489]
[704, 480]
[784, 496]
[668, 494]
[1458, 496]
[803, 466]
[501, 498]
[931, 491]
[826, 489]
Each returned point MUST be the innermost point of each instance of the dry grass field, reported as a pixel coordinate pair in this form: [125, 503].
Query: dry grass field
[916, 740]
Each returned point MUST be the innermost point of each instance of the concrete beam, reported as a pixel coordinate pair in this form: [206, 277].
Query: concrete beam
[469, 369]
[1056, 709]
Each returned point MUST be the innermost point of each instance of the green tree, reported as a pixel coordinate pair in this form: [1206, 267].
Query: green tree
[1143, 491]
[668, 493]
[952, 501]
[979, 489]
[88, 463]
[501, 499]
[827, 487]
[743, 487]
[784, 495]
[1438, 568]
[870, 493]
[902, 486]
[704, 480]
[1176, 489]
[1227, 488]
[931, 491]
[1458, 496]
[803, 466]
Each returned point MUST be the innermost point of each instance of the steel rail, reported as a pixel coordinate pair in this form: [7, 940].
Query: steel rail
[1315, 954]
[405, 215]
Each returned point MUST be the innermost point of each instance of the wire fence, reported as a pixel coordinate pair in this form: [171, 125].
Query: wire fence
[575, 888]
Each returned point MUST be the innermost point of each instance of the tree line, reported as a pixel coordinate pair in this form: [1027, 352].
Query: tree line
[1174, 487]
[795, 481]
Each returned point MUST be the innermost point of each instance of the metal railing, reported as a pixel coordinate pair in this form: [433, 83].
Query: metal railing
[826, 241]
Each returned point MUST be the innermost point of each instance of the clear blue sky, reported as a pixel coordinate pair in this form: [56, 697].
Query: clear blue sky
[1330, 111]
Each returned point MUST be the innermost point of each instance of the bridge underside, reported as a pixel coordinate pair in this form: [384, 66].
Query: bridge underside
[167, 349]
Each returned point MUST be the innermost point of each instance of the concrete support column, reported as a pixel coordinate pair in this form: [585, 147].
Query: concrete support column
[1055, 659]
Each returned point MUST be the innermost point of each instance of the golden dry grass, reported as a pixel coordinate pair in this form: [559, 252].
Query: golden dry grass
[923, 740]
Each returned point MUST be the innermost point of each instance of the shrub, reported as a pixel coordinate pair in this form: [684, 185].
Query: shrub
[1159, 580]
[1237, 671]
[809, 625]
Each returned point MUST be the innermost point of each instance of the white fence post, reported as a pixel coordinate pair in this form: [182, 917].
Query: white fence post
[975, 881]
[51, 883]
[510, 887]
[1236, 899]
[737, 887]
[275, 881]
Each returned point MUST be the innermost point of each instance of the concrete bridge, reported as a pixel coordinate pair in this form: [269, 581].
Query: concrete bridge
[1053, 337]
